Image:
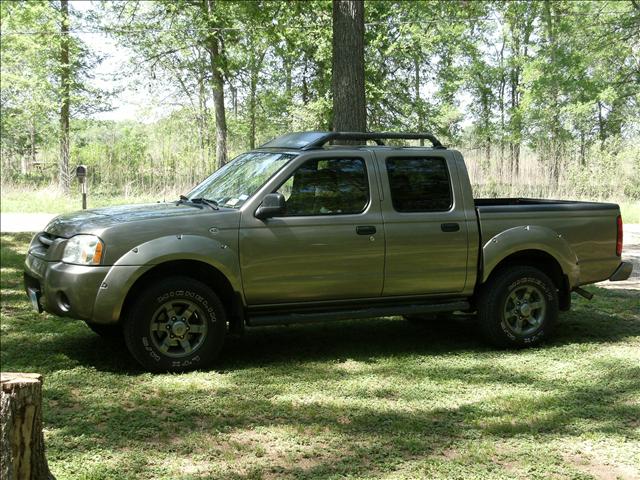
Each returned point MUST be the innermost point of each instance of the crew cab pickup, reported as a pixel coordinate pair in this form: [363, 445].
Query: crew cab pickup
[302, 230]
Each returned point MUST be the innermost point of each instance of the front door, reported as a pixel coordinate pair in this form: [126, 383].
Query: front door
[329, 245]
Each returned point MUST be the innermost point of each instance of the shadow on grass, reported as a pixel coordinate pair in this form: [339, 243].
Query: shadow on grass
[371, 438]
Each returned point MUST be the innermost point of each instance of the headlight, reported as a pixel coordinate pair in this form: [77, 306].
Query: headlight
[83, 250]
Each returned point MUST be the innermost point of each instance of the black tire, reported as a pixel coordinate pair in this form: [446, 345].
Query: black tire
[177, 324]
[110, 331]
[518, 307]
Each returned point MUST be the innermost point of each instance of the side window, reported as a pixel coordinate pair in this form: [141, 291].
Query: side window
[334, 186]
[419, 184]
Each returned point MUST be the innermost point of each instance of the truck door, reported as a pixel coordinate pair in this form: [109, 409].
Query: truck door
[425, 227]
[329, 245]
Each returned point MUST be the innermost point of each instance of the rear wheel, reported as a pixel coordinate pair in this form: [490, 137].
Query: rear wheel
[518, 307]
[176, 325]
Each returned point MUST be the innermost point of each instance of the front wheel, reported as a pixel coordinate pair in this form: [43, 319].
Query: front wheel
[177, 324]
[518, 307]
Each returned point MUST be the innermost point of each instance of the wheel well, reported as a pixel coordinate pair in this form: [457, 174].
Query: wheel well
[201, 271]
[544, 262]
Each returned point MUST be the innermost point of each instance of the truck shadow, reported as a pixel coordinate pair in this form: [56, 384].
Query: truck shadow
[360, 340]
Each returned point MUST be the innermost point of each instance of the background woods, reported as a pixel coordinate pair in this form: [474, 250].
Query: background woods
[542, 97]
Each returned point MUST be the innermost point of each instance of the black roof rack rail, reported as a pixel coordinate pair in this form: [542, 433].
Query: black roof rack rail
[375, 136]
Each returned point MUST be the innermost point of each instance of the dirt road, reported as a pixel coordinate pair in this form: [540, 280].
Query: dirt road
[630, 252]
[24, 222]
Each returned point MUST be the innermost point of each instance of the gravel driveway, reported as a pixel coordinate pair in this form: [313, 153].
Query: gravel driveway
[630, 253]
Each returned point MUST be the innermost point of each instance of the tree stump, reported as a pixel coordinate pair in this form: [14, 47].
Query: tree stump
[22, 454]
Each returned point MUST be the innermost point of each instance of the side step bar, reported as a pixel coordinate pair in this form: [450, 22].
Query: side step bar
[381, 311]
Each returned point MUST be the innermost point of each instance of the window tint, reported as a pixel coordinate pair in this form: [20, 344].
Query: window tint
[327, 187]
[419, 184]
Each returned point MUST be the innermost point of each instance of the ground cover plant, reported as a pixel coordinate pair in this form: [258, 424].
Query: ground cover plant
[381, 398]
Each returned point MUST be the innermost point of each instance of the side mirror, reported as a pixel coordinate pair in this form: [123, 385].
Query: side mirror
[272, 205]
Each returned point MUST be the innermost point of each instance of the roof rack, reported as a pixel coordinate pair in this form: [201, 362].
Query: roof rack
[311, 140]
[375, 136]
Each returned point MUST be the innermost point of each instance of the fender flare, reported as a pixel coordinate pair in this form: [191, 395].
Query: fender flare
[139, 260]
[530, 237]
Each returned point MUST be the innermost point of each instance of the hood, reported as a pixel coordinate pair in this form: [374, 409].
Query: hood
[89, 221]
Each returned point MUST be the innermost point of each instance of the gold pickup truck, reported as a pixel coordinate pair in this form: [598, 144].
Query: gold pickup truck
[301, 230]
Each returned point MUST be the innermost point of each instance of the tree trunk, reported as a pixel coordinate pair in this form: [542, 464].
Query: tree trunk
[32, 137]
[217, 85]
[520, 50]
[305, 85]
[502, 89]
[22, 456]
[64, 178]
[349, 104]
[417, 100]
[256, 65]
[203, 127]
[252, 110]
[549, 15]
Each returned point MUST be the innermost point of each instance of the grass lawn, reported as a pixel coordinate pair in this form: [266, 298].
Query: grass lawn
[630, 212]
[380, 398]
[50, 201]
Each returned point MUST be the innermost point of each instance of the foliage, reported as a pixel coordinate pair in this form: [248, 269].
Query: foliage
[31, 86]
[555, 80]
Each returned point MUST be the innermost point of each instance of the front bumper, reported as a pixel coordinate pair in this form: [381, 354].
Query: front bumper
[63, 289]
[622, 273]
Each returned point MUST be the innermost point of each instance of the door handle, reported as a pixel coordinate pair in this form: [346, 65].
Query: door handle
[365, 230]
[450, 227]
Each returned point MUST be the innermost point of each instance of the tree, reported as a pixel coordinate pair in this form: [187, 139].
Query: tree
[214, 48]
[45, 74]
[184, 40]
[64, 177]
[22, 455]
[27, 94]
[349, 104]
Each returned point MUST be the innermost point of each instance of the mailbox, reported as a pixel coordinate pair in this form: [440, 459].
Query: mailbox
[81, 173]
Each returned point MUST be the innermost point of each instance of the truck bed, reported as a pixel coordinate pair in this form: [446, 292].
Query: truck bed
[588, 227]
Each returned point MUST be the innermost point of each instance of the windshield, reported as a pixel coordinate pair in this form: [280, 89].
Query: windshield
[234, 183]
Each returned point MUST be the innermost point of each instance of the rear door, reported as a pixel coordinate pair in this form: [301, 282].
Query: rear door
[330, 243]
[424, 222]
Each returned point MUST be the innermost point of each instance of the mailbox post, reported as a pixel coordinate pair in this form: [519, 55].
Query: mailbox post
[81, 175]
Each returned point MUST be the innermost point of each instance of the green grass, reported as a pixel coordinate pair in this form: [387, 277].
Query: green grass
[630, 212]
[50, 201]
[379, 398]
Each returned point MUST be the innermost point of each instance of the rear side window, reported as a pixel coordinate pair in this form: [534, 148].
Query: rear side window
[332, 186]
[419, 184]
